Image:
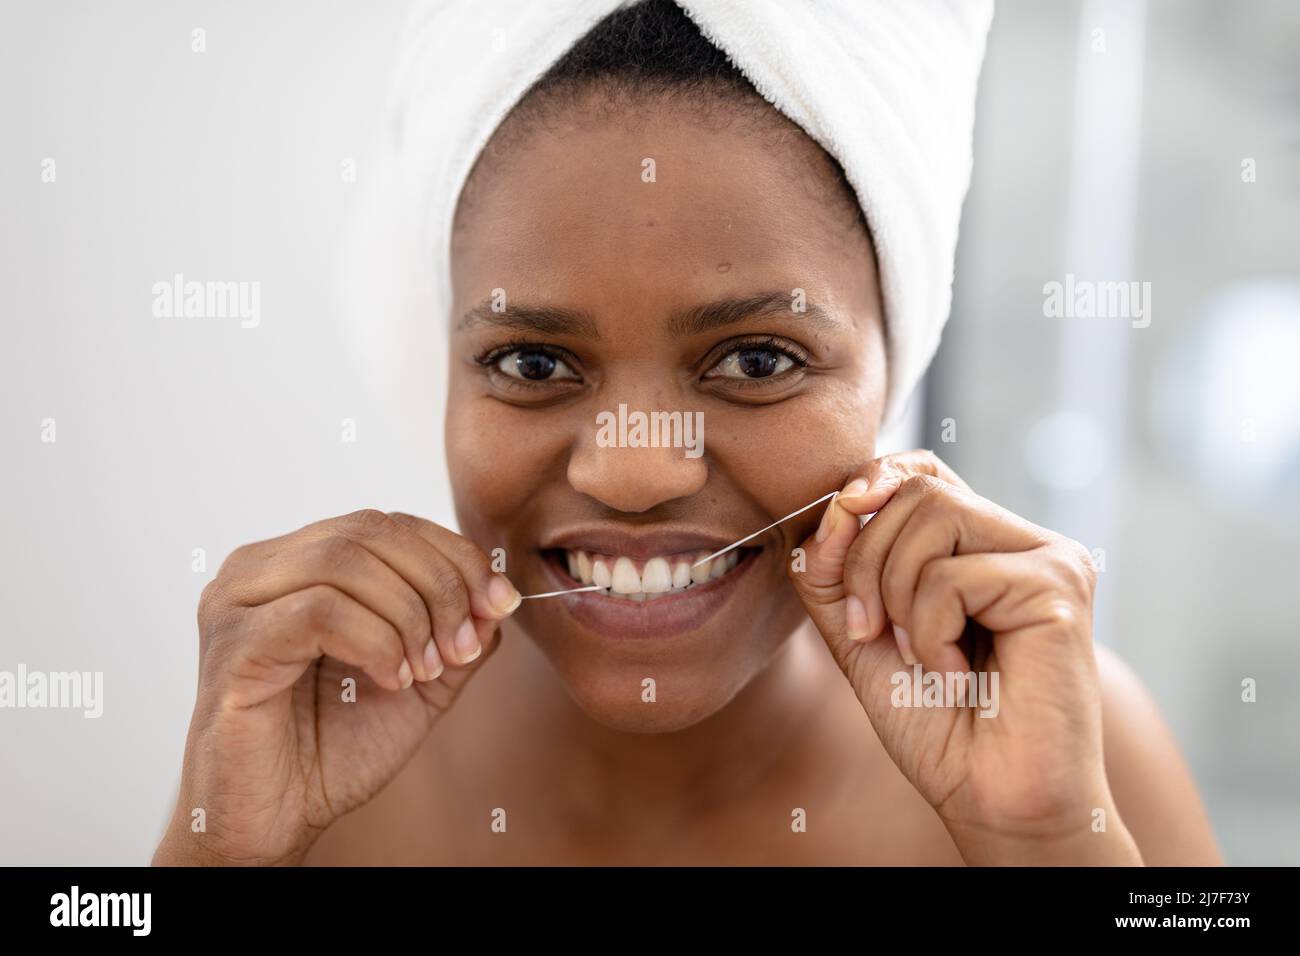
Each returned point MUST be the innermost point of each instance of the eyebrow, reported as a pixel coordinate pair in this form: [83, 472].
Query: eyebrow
[548, 320]
[724, 312]
[542, 320]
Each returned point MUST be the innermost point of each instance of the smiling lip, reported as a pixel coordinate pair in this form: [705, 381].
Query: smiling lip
[667, 615]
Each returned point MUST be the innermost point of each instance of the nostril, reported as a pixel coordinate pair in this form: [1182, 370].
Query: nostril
[635, 480]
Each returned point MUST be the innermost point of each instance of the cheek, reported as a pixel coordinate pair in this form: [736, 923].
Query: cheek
[849, 418]
[796, 452]
[497, 456]
[847, 414]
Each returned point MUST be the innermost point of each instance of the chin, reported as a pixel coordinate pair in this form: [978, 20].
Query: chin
[620, 697]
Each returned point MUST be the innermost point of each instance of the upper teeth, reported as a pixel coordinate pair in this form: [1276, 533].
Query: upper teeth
[660, 575]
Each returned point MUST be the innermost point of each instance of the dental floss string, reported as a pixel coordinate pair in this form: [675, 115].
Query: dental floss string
[768, 528]
[594, 587]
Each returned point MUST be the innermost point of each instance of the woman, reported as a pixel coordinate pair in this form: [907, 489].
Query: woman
[743, 710]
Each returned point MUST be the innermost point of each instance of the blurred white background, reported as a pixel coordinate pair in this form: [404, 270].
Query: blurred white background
[1174, 449]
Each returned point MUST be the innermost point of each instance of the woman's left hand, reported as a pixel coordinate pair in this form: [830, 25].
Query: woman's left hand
[944, 577]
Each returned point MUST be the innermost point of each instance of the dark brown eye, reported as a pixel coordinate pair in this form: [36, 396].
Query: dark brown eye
[753, 363]
[534, 366]
[757, 363]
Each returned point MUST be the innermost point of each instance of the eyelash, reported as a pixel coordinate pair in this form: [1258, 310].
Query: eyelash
[489, 359]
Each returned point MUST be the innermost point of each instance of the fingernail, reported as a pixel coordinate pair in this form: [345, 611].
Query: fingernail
[502, 596]
[855, 618]
[404, 676]
[855, 488]
[432, 662]
[876, 619]
[828, 522]
[904, 645]
[466, 642]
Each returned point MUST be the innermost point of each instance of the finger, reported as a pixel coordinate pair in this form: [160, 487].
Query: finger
[320, 554]
[821, 584]
[453, 639]
[819, 580]
[442, 692]
[926, 518]
[492, 595]
[829, 547]
[949, 592]
[283, 637]
[868, 490]
[995, 590]
[403, 543]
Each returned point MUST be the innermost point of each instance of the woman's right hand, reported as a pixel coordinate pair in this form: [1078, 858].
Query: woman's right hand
[324, 658]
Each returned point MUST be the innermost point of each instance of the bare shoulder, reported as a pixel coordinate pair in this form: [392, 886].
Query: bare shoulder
[1151, 783]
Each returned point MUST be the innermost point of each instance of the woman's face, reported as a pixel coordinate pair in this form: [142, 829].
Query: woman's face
[587, 277]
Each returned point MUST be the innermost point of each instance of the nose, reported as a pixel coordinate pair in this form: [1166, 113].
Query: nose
[633, 479]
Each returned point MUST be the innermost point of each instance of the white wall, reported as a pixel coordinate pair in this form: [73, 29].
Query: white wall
[171, 434]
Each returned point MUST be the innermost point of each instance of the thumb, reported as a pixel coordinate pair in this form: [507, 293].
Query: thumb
[839, 617]
[842, 618]
[820, 584]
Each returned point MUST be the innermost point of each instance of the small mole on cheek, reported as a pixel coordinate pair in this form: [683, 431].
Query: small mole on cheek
[724, 266]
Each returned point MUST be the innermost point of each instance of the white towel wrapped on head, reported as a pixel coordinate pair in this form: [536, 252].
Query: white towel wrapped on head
[887, 87]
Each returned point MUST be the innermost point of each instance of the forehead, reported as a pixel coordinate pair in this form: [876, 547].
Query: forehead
[660, 206]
